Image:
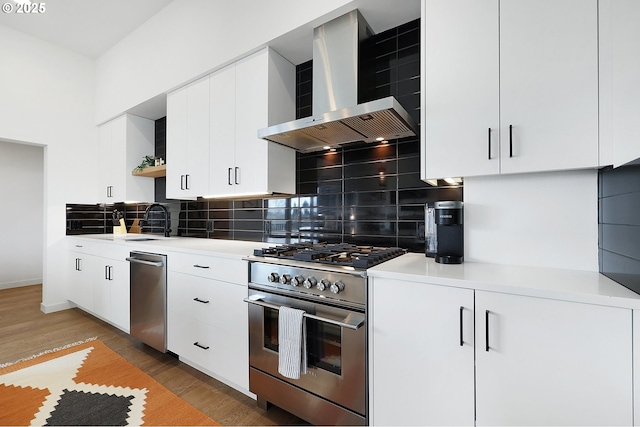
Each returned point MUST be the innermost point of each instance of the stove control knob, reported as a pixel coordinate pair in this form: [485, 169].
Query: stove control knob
[297, 281]
[324, 284]
[337, 287]
[310, 282]
[273, 277]
[285, 279]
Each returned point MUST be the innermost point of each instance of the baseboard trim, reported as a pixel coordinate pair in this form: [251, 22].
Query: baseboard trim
[20, 283]
[52, 308]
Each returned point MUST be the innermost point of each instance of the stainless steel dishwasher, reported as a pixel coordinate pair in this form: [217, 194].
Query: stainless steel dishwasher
[148, 306]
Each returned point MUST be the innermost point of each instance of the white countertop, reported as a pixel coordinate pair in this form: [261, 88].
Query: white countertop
[235, 249]
[570, 285]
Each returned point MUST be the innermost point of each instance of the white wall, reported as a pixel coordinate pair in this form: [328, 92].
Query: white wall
[538, 219]
[22, 170]
[190, 38]
[47, 98]
[54, 98]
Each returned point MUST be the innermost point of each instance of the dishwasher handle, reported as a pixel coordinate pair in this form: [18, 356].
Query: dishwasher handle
[145, 262]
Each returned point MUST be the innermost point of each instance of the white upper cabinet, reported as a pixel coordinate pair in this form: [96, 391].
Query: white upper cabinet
[255, 92]
[462, 89]
[213, 149]
[619, 81]
[511, 86]
[548, 84]
[124, 141]
[188, 141]
[222, 86]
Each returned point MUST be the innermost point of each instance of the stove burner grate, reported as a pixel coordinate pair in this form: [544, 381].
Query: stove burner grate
[344, 254]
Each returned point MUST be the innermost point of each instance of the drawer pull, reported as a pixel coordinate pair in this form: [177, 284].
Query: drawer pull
[200, 266]
[204, 347]
[200, 300]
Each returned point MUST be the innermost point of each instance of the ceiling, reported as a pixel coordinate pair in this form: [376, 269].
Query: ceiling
[92, 27]
[88, 27]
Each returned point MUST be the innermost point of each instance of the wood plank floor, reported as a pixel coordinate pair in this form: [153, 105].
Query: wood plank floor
[25, 330]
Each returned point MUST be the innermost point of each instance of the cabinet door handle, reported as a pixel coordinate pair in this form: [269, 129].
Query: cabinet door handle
[237, 172]
[200, 266]
[186, 181]
[111, 272]
[79, 263]
[461, 326]
[486, 330]
[229, 176]
[510, 140]
[106, 272]
[489, 143]
[182, 182]
[201, 300]
[204, 347]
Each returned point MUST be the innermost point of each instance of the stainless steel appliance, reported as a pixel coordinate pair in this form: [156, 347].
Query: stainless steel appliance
[148, 305]
[328, 282]
[337, 117]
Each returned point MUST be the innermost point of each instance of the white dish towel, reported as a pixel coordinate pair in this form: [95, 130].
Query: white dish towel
[292, 343]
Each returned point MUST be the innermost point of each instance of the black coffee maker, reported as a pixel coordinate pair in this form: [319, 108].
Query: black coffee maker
[450, 233]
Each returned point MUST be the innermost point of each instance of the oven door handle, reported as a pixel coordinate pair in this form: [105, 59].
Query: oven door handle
[352, 321]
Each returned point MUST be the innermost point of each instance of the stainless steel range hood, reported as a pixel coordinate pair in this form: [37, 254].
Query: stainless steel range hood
[337, 118]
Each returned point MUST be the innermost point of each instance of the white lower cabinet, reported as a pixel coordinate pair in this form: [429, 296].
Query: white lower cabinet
[99, 281]
[111, 293]
[81, 290]
[421, 374]
[548, 362]
[543, 362]
[207, 319]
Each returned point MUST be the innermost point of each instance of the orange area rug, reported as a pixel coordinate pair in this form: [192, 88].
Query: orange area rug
[88, 384]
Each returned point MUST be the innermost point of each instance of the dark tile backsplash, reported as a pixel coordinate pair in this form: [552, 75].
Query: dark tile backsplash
[97, 219]
[367, 194]
[619, 225]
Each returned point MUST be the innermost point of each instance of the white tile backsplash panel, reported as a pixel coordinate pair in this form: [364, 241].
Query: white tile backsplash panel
[540, 219]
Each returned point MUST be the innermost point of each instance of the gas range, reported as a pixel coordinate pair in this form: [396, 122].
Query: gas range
[326, 272]
[328, 282]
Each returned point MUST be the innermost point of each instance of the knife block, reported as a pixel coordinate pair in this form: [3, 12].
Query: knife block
[135, 228]
[120, 229]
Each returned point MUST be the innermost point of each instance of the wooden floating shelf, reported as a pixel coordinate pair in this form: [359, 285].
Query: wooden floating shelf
[152, 171]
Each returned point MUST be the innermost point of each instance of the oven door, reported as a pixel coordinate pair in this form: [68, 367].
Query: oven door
[336, 347]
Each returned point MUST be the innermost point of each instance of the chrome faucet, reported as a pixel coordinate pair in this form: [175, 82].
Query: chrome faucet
[167, 228]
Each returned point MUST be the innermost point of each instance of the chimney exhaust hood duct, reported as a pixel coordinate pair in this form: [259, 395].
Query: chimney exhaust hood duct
[337, 118]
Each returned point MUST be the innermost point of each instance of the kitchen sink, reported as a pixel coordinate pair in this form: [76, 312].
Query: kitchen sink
[140, 239]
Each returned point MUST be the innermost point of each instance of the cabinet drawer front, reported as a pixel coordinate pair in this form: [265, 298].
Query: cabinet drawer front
[182, 335]
[110, 250]
[227, 270]
[210, 301]
[222, 353]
